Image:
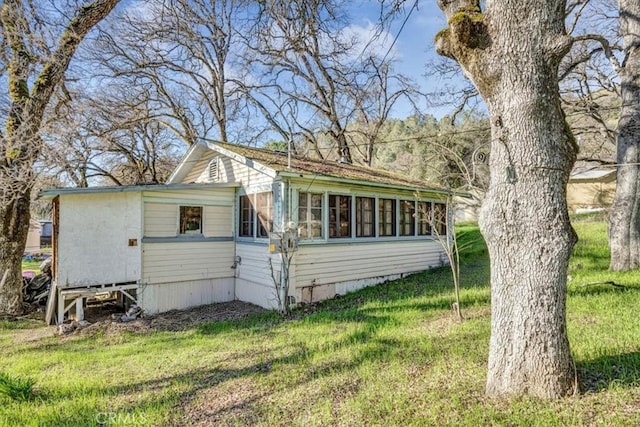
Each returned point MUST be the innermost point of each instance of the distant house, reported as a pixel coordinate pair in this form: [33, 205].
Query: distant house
[33, 237]
[211, 233]
[591, 189]
[39, 236]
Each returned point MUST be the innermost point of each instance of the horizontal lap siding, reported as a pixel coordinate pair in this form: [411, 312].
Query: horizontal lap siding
[229, 170]
[199, 168]
[218, 221]
[211, 197]
[161, 211]
[157, 298]
[325, 264]
[254, 266]
[253, 278]
[182, 261]
[160, 219]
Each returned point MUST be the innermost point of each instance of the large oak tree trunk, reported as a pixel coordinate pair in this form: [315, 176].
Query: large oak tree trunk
[624, 218]
[511, 52]
[14, 219]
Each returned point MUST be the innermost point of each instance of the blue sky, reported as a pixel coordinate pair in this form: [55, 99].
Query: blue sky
[414, 47]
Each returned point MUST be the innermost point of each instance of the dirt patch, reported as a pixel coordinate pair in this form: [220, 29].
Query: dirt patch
[102, 322]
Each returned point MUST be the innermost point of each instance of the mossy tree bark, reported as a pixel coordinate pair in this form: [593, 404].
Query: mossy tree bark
[624, 219]
[20, 144]
[511, 52]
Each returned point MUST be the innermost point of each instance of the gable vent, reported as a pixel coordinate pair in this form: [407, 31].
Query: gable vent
[213, 169]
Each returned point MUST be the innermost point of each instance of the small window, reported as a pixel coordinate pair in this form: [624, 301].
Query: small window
[246, 217]
[440, 219]
[190, 219]
[407, 218]
[310, 215]
[387, 217]
[339, 216]
[213, 169]
[424, 218]
[365, 212]
[265, 213]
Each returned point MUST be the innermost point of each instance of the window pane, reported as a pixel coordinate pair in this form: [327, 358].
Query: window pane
[310, 215]
[339, 216]
[364, 217]
[424, 218]
[190, 220]
[265, 213]
[246, 217]
[387, 217]
[407, 218]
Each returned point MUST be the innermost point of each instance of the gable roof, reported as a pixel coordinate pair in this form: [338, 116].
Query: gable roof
[280, 164]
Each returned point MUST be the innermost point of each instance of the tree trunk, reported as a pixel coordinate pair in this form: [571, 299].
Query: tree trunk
[624, 218]
[511, 53]
[15, 220]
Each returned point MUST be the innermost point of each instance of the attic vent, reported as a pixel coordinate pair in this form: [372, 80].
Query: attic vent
[213, 169]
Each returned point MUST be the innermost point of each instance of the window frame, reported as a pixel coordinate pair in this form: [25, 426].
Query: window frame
[406, 218]
[250, 215]
[425, 219]
[263, 232]
[308, 222]
[182, 224]
[335, 224]
[383, 221]
[360, 213]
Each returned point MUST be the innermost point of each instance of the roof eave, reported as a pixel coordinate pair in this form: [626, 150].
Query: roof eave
[316, 177]
[54, 192]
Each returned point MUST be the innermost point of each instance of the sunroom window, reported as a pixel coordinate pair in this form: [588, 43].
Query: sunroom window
[365, 216]
[407, 218]
[386, 217]
[424, 218]
[265, 213]
[310, 215]
[339, 216]
[256, 209]
[246, 217]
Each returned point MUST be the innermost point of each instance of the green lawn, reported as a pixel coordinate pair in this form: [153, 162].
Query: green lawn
[389, 355]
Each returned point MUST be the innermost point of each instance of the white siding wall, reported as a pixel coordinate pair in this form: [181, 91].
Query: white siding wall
[160, 219]
[93, 238]
[253, 276]
[218, 221]
[176, 296]
[186, 272]
[340, 268]
[183, 261]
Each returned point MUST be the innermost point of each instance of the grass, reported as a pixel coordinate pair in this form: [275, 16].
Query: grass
[391, 354]
[16, 388]
[31, 265]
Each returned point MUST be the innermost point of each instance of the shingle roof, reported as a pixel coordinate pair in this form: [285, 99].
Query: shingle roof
[278, 161]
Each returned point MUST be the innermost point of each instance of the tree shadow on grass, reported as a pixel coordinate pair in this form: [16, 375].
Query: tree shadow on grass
[606, 371]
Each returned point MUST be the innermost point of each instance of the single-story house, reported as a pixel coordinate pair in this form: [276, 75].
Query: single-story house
[212, 232]
[591, 189]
